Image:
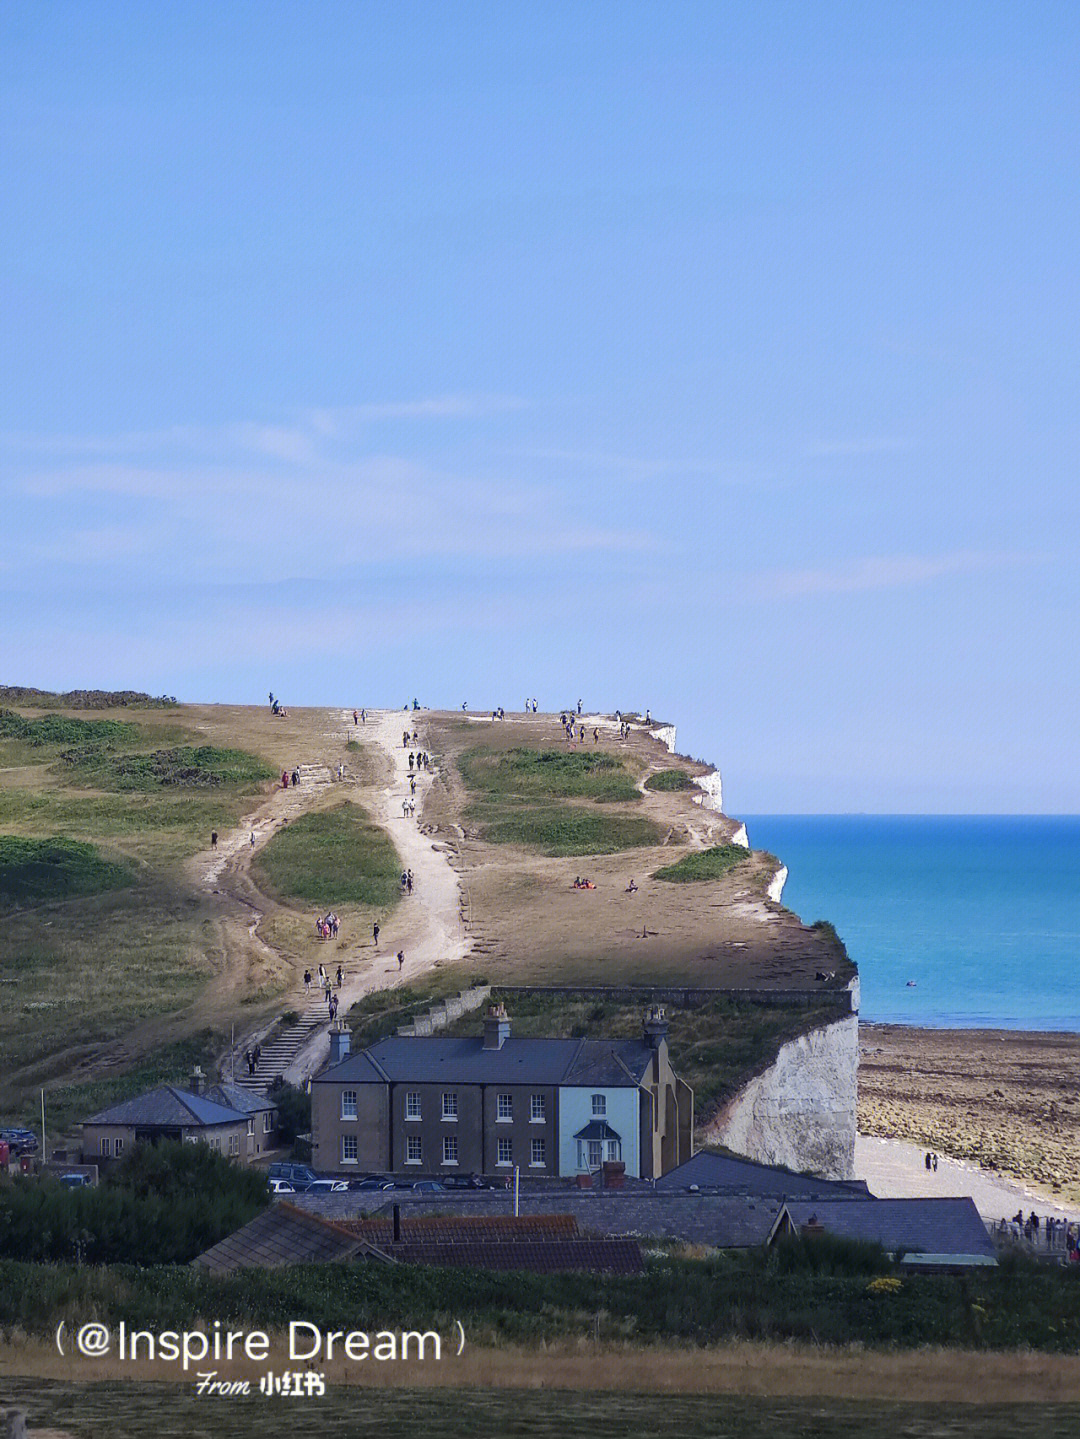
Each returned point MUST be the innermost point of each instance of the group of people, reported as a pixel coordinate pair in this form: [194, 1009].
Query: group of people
[359, 717]
[292, 778]
[409, 737]
[419, 759]
[580, 883]
[1055, 1233]
[251, 1058]
[406, 884]
[277, 708]
[326, 926]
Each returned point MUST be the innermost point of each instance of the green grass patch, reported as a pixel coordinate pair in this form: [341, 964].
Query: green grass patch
[69, 1104]
[35, 871]
[58, 730]
[566, 830]
[669, 780]
[530, 774]
[703, 864]
[182, 767]
[336, 856]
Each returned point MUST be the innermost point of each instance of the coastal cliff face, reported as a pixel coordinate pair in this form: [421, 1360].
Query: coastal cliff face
[665, 734]
[712, 791]
[776, 884]
[801, 1111]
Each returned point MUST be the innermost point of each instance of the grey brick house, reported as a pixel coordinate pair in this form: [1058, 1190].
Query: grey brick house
[238, 1124]
[419, 1106]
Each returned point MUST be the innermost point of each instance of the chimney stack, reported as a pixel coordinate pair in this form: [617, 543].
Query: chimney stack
[340, 1042]
[655, 1026]
[198, 1080]
[496, 1027]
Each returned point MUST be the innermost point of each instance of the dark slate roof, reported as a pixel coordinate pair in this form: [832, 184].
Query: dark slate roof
[934, 1226]
[168, 1107]
[281, 1235]
[463, 1228]
[722, 1221]
[243, 1100]
[730, 1174]
[541, 1256]
[597, 1129]
[462, 1059]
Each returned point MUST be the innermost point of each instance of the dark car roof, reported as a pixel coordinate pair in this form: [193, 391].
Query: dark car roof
[609, 1063]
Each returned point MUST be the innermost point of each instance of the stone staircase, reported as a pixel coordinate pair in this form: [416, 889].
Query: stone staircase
[280, 1051]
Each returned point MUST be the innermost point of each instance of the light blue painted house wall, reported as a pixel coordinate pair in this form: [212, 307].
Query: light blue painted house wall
[575, 1112]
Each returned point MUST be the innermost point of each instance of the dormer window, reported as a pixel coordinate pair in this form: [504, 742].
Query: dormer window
[599, 1106]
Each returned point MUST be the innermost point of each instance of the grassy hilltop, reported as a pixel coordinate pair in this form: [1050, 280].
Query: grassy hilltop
[130, 949]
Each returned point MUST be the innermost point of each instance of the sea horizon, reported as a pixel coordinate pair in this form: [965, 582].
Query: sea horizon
[955, 921]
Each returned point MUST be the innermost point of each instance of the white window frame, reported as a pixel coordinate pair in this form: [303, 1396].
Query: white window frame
[105, 1146]
[251, 1127]
[538, 1146]
[118, 1146]
[410, 1140]
[348, 1111]
[412, 1098]
[614, 1150]
[268, 1121]
[450, 1106]
[537, 1109]
[354, 1157]
[234, 1144]
[508, 1144]
[449, 1143]
[599, 1106]
[500, 1117]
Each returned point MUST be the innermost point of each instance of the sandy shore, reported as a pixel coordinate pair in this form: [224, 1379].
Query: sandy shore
[1005, 1100]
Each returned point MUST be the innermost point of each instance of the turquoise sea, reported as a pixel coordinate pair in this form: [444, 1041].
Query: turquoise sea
[982, 912]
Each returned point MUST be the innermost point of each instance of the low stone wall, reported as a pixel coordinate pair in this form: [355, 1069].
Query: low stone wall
[686, 998]
[440, 1014]
[800, 1112]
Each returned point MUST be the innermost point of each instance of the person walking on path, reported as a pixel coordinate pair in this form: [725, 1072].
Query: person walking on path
[307, 981]
[375, 933]
[340, 976]
[400, 960]
[253, 839]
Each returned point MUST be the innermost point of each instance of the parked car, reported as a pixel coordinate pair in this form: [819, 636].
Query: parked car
[372, 1182]
[20, 1141]
[280, 1186]
[327, 1186]
[300, 1176]
[75, 1181]
[465, 1181]
[428, 1186]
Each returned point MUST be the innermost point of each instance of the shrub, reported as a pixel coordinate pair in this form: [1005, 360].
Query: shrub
[34, 871]
[183, 766]
[549, 774]
[55, 729]
[667, 780]
[566, 831]
[703, 864]
[334, 856]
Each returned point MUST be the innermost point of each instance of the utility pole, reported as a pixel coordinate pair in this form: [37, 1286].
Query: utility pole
[517, 1190]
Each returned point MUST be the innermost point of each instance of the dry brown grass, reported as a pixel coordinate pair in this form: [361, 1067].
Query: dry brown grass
[746, 1369]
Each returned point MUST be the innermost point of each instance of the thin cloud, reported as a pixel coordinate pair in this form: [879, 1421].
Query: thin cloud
[883, 572]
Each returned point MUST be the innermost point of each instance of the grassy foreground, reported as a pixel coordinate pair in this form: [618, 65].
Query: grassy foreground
[809, 1291]
[522, 1407]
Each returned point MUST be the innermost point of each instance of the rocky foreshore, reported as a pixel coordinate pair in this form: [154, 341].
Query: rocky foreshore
[1005, 1099]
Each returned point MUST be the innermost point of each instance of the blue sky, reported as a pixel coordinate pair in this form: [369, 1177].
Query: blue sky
[718, 358]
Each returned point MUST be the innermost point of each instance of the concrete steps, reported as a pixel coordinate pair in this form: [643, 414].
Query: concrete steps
[278, 1053]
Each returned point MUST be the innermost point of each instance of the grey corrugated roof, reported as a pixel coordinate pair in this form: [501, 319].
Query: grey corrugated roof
[462, 1059]
[935, 1226]
[727, 1173]
[167, 1107]
[281, 1235]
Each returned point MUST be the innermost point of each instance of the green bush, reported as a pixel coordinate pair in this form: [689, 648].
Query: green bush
[335, 856]
[566, 830]
[84, 699]
[666, 780]
[163, 1205]
[183, 766]
[55, 729]
[34, 871]
[549, 774]
[703, 864]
